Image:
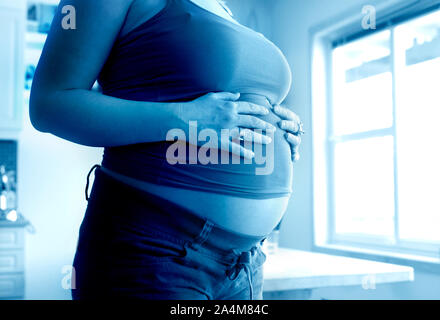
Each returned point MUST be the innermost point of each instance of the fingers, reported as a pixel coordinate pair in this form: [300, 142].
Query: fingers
[294, 140]
[240, 150]
[291, 121]
[247, 121]
[251, 135]
[251, 108]
[237, 149]
[226, 96]
[285, 113]
[289, 125]
[295, 156]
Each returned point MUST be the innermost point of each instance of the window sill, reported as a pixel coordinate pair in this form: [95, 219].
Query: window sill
[418, 262]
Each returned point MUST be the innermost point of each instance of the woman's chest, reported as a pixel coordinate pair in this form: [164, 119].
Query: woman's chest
[142, 10]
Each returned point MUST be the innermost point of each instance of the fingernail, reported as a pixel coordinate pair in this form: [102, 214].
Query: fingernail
[282, 124]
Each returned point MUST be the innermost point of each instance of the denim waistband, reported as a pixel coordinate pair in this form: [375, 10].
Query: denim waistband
[156, 212]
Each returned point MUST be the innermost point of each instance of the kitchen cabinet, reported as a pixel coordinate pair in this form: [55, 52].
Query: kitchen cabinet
[12, 32]
[12, 258]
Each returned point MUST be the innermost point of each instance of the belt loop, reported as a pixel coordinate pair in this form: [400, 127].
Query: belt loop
[88, 176]
[203, 235]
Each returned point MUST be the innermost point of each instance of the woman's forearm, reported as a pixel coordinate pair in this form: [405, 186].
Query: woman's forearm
[93, 119]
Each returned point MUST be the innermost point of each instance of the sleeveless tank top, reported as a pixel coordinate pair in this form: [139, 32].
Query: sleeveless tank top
[180, 54]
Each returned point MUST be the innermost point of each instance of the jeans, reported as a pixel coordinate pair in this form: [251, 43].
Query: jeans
[136, 245]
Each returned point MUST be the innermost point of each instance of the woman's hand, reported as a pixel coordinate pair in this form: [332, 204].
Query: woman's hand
[293, 125]
[222, 110]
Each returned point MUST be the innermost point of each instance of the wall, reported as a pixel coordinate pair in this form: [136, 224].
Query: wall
[291, 22]
[255, 14]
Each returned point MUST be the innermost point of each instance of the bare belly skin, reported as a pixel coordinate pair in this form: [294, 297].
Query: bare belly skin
[248, 216]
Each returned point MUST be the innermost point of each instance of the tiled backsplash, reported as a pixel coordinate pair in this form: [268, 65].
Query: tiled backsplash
[8, 154]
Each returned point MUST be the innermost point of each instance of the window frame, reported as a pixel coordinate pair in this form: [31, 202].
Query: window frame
[323, 39]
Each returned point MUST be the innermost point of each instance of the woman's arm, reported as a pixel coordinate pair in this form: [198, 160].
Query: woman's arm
[63, 104]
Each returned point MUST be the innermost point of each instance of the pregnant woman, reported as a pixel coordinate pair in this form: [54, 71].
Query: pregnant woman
[153, 228]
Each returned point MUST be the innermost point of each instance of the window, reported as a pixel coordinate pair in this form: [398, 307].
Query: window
[381, 145]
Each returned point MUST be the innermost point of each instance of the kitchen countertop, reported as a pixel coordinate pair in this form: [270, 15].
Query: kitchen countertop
[20, 222]
[290, 269]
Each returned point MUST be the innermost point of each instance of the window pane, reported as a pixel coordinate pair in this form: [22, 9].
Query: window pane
[417, 125]
[362, 85]
[364, 187]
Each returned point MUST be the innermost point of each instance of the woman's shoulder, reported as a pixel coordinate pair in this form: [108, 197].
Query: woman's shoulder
[139, 12]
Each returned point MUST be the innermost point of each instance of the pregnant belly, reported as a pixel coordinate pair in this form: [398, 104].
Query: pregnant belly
[253, 216]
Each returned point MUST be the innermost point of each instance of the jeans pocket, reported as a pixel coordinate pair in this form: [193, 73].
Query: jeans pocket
[147, 246]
